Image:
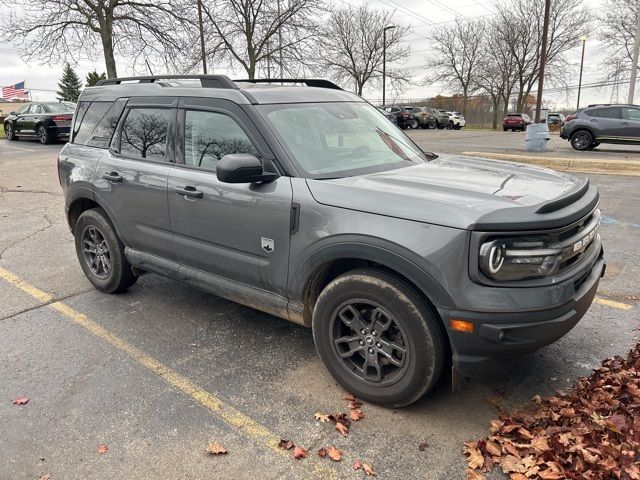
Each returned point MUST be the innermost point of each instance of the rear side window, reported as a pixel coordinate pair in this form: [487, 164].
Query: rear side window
[631, 113]
[101, 135]
[209, 136]
[607, 112]
[144, 133]
[87, 118]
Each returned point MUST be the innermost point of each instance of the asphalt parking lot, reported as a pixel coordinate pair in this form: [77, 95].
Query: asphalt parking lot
[163, 370]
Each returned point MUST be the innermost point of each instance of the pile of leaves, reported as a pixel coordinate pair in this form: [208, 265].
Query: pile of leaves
[591, 433]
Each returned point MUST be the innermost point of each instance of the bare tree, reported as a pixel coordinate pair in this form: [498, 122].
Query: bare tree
[520, 27]
[55, 30]
[457, 57]
[252, 32]
[352, 44]
[617, 33]
[495, 73]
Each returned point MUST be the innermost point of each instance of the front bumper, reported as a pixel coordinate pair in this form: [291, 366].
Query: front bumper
[498, 338]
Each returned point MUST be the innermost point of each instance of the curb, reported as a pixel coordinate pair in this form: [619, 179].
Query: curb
[565, 164]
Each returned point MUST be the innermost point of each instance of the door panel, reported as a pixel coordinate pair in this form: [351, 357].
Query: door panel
[606, 122]
[630, 125]
[237, 231]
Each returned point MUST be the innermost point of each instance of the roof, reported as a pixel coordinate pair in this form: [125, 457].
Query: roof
[261, 91]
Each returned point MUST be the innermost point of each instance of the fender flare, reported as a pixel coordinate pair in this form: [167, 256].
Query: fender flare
[380, 252]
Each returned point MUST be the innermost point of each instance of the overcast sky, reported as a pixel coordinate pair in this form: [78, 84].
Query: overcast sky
[417, 14]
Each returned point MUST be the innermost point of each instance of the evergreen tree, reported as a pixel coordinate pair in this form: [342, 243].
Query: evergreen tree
[69, 85]
[93, 78]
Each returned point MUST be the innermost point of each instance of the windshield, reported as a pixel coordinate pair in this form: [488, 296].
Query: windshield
[329, 140]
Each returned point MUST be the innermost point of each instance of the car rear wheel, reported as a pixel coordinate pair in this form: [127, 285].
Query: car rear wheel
[594, 145]
[457, 127]
[378, 338]
[415, 124]
[43, 135]
[101, 253]
[581, 140]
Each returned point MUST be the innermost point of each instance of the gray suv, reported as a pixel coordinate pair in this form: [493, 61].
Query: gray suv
[596, 124]
[305, 202]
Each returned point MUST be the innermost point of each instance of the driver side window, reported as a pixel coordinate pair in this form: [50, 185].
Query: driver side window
[209, 136]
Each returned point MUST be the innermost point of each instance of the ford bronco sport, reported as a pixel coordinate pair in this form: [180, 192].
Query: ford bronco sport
[302, 200]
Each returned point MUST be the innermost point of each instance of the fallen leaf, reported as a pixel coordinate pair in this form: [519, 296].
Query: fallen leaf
[493, 448]
[540, 445]
[550, 475]
[368, 470]
[349, 397]
[356, 415]
[423, 446]
[474, 475]
[322, 453]
[285, 444]
[216, 449]
[475, 460]
[357, 465]
[21, 401]
[518, 476]
[194, 344]
[46, 476]
[299, 452]
[344, 431]
[103, 448]
[334, 454]
[321, 417]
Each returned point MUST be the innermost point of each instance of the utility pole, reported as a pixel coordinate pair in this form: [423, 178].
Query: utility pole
[384, 60]
[202, 52]
[584, 41]
[634, 63]
[543, 57]
[280, 42]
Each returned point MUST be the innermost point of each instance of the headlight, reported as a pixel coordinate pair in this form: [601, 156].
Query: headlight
[519, 258]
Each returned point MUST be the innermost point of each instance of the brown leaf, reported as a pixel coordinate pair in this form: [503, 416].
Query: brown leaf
[368, 470]
[21, 401]
[103, 448]
[216, 449]
[354, 404]
[322, 452]
[512, 464]
[540, 445]
[493, 448]
[356, 415]
[299, 452]
[474, 475]
[423, 446]
[334, 454]
[525, 433]
[321, 417]
[357, 465]
[344, 431]
[285, 444]
[518, 476]
[349, 397]
[475, 460]
[550, 475]
[46, 476]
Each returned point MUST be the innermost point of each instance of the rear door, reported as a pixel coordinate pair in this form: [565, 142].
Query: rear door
[630, 125]
[131, 177]
[236, 231]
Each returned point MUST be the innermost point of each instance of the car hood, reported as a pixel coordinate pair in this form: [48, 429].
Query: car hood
[464, 192]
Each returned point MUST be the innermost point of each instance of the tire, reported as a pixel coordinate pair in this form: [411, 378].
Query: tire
[440, 127]
[581, 140]
[415, 124]
[433, 126]
[457, 127]
[410, 324]
[112, 275]
[8, 131]
[449, 126]
[504, 129]
[43, 135]
[594, 145]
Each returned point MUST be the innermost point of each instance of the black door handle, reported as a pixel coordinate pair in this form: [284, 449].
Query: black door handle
[112, 177]
[189, 191]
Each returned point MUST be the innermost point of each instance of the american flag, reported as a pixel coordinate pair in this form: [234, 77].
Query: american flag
[14, 91]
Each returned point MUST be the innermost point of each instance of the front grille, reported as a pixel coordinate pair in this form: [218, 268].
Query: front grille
[572, 240]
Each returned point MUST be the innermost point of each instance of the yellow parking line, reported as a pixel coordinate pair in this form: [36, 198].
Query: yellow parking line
[222, 410]
[612, 303]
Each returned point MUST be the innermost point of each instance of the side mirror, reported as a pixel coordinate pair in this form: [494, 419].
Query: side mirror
[12, 113]
[242, 168]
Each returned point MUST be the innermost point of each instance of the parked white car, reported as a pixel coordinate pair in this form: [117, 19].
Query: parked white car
[456, 120]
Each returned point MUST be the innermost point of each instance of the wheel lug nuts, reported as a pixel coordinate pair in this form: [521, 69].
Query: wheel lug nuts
[363, 331]
[371, 350]
[361, 342]
[374, 333]
[379, 345]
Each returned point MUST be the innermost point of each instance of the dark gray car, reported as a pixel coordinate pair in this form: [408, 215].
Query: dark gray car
[596, 124]
[306, 203]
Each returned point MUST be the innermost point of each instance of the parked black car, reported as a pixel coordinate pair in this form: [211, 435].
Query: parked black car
[404, 114]
[44, 121]
[589, 127]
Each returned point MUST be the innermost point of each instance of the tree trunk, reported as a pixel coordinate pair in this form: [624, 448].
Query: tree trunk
[106, 35]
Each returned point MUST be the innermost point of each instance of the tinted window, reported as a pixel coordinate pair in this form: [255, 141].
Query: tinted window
[35, 108]
[631, 113]
[77, 118]
[23, 109]
[209, 136]
[58, 107]
[607, 112]
[144, 133]
[101, 135]
[87, 119]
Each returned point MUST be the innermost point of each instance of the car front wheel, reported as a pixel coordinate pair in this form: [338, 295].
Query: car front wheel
[101, 253]
[8, 131]
[415, 124]
[581, 140]
[378, 338]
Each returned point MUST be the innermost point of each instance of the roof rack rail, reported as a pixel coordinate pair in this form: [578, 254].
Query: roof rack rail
[309, 82]
[612, 105]
[206, 81]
